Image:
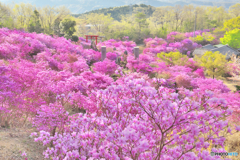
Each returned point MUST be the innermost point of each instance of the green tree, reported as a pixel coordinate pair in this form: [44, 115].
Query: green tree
[5, 16]
[48, 15]
[34, 24]
[214, 63]
[22, 13]
[67, 27]
[141, 20]
[232, 24]
[235, 9]
[172, 58]
[100, 22]
[232, 38]
[56, 27]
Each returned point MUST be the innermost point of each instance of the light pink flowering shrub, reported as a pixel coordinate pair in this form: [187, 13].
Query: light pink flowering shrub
[136, 121]
[214, 85]
[51, 117]
[234, 104]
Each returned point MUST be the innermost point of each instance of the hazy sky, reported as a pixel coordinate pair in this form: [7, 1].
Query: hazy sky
[81, 6]
[78, 6]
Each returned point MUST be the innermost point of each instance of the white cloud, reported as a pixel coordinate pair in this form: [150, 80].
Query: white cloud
[97, 6]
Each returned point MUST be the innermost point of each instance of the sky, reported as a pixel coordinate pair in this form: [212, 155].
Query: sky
[77, 6]
[81, 6]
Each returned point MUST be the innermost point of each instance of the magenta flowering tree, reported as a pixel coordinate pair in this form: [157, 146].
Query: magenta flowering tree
[97, 80]
[51, 117]
[198, 32]
[136, 121]
[9, 98]
[213, 85]
[143, 64]
[185, 46]
[118, 46]
[152, 43]
[175, 37]
[105, 67]
[234, 104]
[112, 56]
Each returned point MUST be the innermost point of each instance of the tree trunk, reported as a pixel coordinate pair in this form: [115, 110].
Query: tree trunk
[213, 72]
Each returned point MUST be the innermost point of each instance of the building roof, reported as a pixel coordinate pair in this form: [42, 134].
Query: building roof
[199, 51]
[209, 46]
[223, 49]
[226, 50]
[219, 45]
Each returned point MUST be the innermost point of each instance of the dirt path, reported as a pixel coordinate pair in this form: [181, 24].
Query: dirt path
[230, 82]
[13, 142]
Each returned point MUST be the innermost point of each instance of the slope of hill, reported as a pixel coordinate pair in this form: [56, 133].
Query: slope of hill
[117, 12]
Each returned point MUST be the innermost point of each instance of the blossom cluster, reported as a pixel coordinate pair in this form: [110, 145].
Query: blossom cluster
[152, 110]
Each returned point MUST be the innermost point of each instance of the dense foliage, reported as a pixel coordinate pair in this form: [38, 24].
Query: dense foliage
[232, 38]
[117, 22]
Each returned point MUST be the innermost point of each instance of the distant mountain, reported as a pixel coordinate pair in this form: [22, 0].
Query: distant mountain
[82, 6]
[117, 12]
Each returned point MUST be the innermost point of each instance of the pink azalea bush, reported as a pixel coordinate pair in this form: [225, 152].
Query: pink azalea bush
[152, 43]
[119, 46]
[175, 37]
[50, 117]
[135, 126]
[106, 67]
[142, 64]
[80, 112]
[210, 84]
[183, 46]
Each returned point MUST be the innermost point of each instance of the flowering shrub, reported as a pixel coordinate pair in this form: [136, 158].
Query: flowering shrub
[112, 56]
[146, 112]
[97, 80]
[175, 37]
[106, 67]
[184, 47]
[209, 84]
[144, 123]
[152, 43]
[140, 65]
[233, 103]
[118, 46]
[51, 117]
[205, 38]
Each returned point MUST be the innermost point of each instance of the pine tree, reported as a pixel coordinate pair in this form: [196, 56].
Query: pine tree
[67, 27]
[34, 25]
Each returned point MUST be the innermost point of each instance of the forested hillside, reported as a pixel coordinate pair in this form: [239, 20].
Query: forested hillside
[137, 22]
[118, 12]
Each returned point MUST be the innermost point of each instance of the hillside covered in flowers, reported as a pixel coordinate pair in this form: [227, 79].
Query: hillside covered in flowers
[158, 106]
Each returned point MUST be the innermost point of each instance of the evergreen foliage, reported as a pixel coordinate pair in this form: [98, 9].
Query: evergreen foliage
[67, 28]
[34, 24]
